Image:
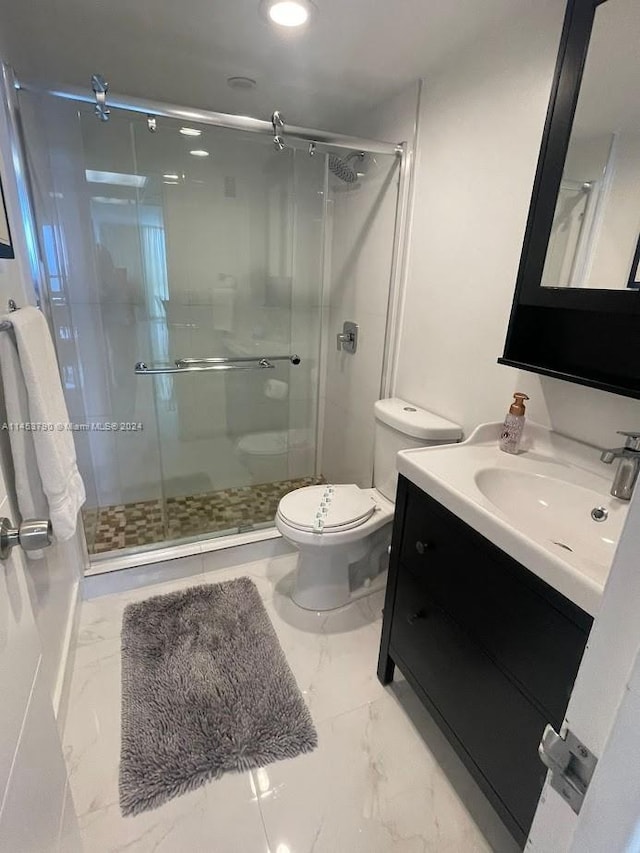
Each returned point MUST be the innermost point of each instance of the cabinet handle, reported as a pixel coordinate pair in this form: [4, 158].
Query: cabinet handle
[413, 617]
[421, 547]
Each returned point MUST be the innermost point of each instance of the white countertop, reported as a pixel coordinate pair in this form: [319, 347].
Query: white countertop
[536, 505]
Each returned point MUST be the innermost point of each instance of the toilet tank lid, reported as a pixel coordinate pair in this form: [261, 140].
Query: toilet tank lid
[418, 423]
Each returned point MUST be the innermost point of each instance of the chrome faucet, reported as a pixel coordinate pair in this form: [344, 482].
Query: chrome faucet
[628, 467]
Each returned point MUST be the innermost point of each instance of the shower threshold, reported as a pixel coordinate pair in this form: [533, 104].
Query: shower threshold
[131, 558]
[153, 531]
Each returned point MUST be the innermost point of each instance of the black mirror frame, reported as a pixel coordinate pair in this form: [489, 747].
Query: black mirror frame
[6, 249]
[587, 336]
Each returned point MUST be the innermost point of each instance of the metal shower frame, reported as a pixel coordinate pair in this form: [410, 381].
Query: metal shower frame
[227, 120]
[404, 152]
[153, 109]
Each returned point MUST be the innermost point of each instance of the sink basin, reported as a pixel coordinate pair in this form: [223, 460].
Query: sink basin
[536, 505]
[556, 509]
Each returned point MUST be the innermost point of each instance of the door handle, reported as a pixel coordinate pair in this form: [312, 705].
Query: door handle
[33, 534]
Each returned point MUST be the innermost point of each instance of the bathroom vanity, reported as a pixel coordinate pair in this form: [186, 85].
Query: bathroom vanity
[483, 615]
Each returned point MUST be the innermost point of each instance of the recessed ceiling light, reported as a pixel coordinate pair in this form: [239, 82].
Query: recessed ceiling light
[171, 183]
[190, 131]
[172, 177]
[288, 13]
[199, 153]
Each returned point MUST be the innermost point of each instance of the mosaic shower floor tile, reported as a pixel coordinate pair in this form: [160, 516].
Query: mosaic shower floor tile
[131, 525]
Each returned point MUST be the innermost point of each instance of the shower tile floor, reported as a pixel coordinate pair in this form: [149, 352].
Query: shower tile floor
[382, 780]
[131, 525]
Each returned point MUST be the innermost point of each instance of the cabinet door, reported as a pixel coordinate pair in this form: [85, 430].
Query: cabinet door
[535, 635]
[497, 730]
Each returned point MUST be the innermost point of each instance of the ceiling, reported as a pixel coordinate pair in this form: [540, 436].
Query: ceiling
[353, 55]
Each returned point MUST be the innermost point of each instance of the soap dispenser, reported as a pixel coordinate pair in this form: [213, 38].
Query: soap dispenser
[513, 425]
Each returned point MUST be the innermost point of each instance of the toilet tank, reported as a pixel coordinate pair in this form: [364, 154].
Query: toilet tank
[402, 426]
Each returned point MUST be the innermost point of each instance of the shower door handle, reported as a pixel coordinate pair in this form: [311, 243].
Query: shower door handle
[294, 359]
[142, 369]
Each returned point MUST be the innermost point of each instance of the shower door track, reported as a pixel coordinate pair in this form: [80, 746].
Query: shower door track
[227, 120]
[115, 561]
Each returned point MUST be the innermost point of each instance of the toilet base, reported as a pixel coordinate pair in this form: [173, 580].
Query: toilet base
[322, 580]
[324, 576]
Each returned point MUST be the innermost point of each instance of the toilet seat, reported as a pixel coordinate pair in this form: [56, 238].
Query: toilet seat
[327, 509]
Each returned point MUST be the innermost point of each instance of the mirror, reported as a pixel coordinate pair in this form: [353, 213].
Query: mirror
[575, 313]
[596, 226]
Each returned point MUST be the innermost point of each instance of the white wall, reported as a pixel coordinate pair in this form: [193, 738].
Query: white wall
[362, 232]
[481, 124]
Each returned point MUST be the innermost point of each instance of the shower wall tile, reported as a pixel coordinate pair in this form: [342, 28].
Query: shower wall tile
[354, 379]
[309, 178]
[139, 466]
[348, 445]
[85, 465]
[361, 274]
[201, 466]
[302, 381]
[93, 391]
[302, 413]
[102, 447]
[301, 462]
[66, 344]
[361, 219]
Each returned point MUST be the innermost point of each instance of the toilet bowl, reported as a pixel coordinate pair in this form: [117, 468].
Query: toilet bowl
[335, 526]
[329, 542]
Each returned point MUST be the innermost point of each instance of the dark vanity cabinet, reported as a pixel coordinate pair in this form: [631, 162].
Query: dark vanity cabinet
[491, 650]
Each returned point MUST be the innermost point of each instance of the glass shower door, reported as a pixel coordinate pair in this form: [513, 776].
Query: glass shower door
[234, 272]
[190, 242]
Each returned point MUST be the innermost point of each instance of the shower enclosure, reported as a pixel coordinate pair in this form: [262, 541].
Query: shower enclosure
[189, 278]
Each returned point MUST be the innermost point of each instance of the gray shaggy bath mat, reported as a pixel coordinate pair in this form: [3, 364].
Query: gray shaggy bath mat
[206, 689]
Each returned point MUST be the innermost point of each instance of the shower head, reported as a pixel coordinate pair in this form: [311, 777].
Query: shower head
[341, 166]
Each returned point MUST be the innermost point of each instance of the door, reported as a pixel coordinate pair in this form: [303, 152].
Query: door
[36, 808]
[37, 813]
[604, 713]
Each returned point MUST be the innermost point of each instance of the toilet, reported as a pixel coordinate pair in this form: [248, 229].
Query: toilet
[335, 526]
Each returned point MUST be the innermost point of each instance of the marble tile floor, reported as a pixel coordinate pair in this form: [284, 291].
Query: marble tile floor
[376, 783]
[131, 525]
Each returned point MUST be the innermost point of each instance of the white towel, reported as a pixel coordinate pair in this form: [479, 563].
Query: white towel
[48, 482]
